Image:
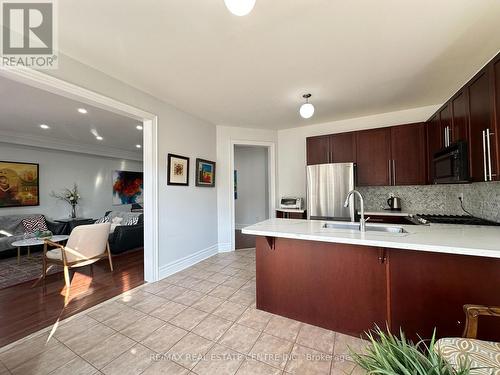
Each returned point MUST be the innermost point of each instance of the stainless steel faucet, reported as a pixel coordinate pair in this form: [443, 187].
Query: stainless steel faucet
[362, 221]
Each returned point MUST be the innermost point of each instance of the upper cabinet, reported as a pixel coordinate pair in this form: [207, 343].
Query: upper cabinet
[343, 147]
[481, 111]
[471, 115]
[373, 157]
[335, 148]
[408, 154]
[318, 150]
[435, 142]
[459, 118]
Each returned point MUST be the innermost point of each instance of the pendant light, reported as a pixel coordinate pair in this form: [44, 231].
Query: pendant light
[240, 7]
[306, 109]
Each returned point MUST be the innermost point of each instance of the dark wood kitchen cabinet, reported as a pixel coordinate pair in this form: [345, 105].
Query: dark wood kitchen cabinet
[439, 285]
[373, 157]
[334, 148]
[481, 124]
[343, 147]
[445, 124]
[496, 102]
[318, 150]
[334, 286]
[408, 154]
[459, 117]
[434, 144]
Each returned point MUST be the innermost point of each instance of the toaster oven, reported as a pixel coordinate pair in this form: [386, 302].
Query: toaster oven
[292, 203]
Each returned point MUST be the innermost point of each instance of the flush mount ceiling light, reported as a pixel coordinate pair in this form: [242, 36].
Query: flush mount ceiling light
[138, 146]
[306, 109]
[44, 126]
[83, 111]
[139, 127]
[240, 7]
[99, 138]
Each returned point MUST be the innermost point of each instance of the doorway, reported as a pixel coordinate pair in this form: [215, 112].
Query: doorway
[252, 190]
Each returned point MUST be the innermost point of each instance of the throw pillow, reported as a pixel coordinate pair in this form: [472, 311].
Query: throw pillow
[104, 219]
[133, 220]
[34, 224]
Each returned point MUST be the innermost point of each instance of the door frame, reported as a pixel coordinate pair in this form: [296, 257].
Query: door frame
[271, 171]
[150, 150]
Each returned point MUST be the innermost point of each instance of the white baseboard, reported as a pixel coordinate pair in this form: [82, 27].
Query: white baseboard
[225, 247]
[190, 260]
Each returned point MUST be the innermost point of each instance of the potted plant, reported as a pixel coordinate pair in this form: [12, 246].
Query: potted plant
[70, 196]
[391, 355]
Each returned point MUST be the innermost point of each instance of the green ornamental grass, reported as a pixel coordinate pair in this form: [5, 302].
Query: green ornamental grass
[391, 355]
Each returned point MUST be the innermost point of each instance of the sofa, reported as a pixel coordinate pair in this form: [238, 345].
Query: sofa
[12, 229]
[126, 237]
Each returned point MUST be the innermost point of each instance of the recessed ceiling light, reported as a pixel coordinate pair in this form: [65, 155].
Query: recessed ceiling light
[82, 110]
[139, 127]
[99, 138]
[138, 146]
[43, 126]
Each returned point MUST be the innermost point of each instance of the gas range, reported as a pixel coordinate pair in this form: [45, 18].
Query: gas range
[455, 219]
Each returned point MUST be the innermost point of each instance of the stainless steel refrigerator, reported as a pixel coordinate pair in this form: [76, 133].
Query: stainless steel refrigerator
[327, 188]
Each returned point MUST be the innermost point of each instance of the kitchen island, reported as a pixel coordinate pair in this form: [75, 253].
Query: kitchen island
[348, 281]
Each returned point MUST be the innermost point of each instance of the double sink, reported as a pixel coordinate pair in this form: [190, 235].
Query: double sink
[368, 227]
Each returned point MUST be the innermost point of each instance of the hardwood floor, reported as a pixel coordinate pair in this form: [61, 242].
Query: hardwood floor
[25, 308]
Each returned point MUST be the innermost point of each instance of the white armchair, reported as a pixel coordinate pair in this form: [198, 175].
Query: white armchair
[86, 244]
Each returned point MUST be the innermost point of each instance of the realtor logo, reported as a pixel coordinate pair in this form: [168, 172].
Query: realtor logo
[28, 34]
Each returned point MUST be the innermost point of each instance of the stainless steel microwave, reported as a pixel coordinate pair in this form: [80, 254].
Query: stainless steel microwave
[451, 164]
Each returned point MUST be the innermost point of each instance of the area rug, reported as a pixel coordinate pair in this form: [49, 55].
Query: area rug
[29, 269]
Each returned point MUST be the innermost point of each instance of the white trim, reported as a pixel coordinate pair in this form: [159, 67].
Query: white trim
[225, 247]
[64, 145]
[188, 261]
[57, 86]
[271, 153]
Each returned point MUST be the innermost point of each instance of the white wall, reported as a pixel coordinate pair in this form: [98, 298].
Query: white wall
[225, 138]
[187, 215]
[60, 169]
[252, 205]
[292, 143]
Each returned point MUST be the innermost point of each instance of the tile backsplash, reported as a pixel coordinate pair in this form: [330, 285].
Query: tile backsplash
[480, 199]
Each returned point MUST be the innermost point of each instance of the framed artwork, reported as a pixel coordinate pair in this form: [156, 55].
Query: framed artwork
[177, 170]
[205, 173]
[235, 184]
[19, 184]
[128, 187]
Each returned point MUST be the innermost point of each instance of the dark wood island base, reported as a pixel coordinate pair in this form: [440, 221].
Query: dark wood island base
[350, 288]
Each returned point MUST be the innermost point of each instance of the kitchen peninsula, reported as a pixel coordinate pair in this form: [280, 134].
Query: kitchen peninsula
[348, 281]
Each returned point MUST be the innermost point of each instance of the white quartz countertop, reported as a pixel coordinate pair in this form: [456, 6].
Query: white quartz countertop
[442, 238]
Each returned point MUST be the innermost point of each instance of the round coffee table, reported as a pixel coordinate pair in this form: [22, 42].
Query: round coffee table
[34, 242]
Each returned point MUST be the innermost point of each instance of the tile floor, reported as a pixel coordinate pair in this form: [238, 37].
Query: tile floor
[201, 320]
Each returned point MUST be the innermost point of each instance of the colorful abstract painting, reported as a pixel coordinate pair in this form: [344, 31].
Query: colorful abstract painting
[205, 173]
[18, 184]
[128, 187]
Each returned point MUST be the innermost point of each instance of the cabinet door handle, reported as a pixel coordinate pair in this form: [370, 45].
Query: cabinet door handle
[488, 146]
[390, 172]
[394, 171]
[484, 156]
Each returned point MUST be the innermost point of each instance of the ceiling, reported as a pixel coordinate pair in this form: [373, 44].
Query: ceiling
[24, 108]
[355, 57]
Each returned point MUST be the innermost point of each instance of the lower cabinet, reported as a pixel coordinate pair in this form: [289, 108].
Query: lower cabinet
[428, 290]
[314, 282]
[350, 288]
